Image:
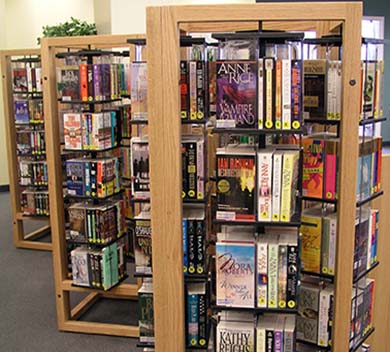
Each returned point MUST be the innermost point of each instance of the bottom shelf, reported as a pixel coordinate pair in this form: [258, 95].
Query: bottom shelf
[100, 288]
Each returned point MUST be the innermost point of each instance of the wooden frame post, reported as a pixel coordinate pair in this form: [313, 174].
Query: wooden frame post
[20, 238]
[164, 124]
[66, 316]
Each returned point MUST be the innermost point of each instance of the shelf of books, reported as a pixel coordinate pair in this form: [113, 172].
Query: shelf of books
[194, 190]
[24, 118]
[290, 252]
[88, 108]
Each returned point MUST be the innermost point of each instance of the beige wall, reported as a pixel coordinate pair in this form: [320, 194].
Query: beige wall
[102, 14]
[3, 152]
[25, 18]
[129, 16]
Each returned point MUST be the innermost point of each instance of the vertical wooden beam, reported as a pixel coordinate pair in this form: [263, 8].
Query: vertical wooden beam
[165, 168]
[6, 76]
[54, 166]
[348, 175]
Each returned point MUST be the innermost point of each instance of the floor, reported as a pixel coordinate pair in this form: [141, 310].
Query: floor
[27, 307]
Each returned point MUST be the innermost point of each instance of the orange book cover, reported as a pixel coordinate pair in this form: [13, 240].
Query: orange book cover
[84, 82]
[313, 167]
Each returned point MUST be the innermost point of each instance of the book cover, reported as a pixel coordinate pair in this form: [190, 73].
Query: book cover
[235, 274]
[235, 187]
[140, 168]
[139, 91]
[21, 110]
[192, 319]
[276, 184]
[143, 245]
[70, 83]
[315, 88]
[262, 273]
[20, 83]
[292, 275]
[296, 94]
[264, 172]
[236, 104]
[368, 89]
[311, 230]
[273, 261]
[184, 90]
[146, 313]
[75, 177]
[192, 89]
[323, 316]
[84, 82]
[77, 223]
[282, 275]
[313, 167]
[286, 94]
[80, 267]
[235, 336]
[307, 319]
[330, 175]
[269, 92]
[73, 131]
[260, 93]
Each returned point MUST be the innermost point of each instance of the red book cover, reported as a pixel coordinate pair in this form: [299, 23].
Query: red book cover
[330, 169]
[84, 82]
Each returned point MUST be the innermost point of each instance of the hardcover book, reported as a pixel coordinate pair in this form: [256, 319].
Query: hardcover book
[236, 101]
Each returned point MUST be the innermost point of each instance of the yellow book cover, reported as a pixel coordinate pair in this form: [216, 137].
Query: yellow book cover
[289, 184]
[311, 231]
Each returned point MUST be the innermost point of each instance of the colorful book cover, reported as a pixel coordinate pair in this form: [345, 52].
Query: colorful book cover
[70, 84]
[282, 276]
[235, 263]
[192, 89]
[20, 83]
[276, 184]
[236, 102]
[192, 319]
[21, 110]
[260, 93]
[292, 276]
[278, 94]
[330, 184]
[313, 167]
[80, 267]
[296, 94]
[273, 261]
[269, 92]
[235, 187]
[75, 177]
[368, 89]
[143, 246]
[140, 168]
[286, 94]
[184, 90]
[311, 230]
[146, 313]
[262, 274]
[73, 131]
[200, 90]
[139, 91]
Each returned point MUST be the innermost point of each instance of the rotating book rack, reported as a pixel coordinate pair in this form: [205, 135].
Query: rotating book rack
[21, 239]
[69, 317]
[163, 24]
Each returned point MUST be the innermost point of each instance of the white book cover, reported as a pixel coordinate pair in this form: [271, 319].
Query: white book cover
[235, 336]
[38, 79]
[200, 169]
[264, 159]
[286, 94]
[332, 243]
[29, 79]
[289, 333]
[262, 271]
[273, 255]
[323, 316]
[276, 184]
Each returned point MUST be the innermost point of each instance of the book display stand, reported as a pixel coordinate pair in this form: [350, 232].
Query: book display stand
[104, 255]
[22, 91]
[163, 26]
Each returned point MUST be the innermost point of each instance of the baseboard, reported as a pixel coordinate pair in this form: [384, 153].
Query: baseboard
[4, 188]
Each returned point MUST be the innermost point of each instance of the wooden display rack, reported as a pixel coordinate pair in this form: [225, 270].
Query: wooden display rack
[20, 238]
[163, 27]
[66, 316]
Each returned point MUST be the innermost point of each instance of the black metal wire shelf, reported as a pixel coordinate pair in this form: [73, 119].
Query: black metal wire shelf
[95, 244]
[91, 102]
[256, 132]
[369, 199]
[317, 348]
[366, 272]
[101, 288]
[325, 277]
[255, 310]
[295, 221]
[362, 340]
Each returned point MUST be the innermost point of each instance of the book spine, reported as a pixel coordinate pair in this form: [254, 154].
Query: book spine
[269, 340]
[262, 274]
[200, 90]
[33, 80]
[184, 97]
[38, 79]
[191, 232]
[287, 175]
[278, 94]
[29, 79]
[99, 179]
[202, 319]
[97, 81]
[278, 341]
[83, 82]
[282, 276]
[330, 169]
[192, 323]
[200, 247]
[325, 245]
[286, 94]
[292, 276]
[273, 276]
[296, 93]
[192, 79]
[192, 182]
[269, 82]
[323, 317]
[370, 234]
[375, 244]
[91, 94]
[200, 169]
[260, 340]
[289, 341]
[260, 93]
[265, 186]
[379, 171]
[276, 186]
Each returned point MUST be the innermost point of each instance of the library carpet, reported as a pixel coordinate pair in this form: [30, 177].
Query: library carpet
[27, 303]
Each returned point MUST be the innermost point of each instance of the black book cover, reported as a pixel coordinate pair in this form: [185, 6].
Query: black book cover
[91, 94]
[269, 335]
[200, 90]
[191, 235]
[202, 316]
[292, 276]
[184, 96]
[200, 246]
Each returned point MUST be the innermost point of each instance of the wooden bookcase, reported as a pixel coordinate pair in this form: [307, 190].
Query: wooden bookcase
[20, 238]
[66, 316]
[163, 28]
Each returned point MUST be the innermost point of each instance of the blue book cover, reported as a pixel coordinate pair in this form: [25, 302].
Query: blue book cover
[21, 112]
[185, 255]
[235, 274]
[192, 320]
[75, 177]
